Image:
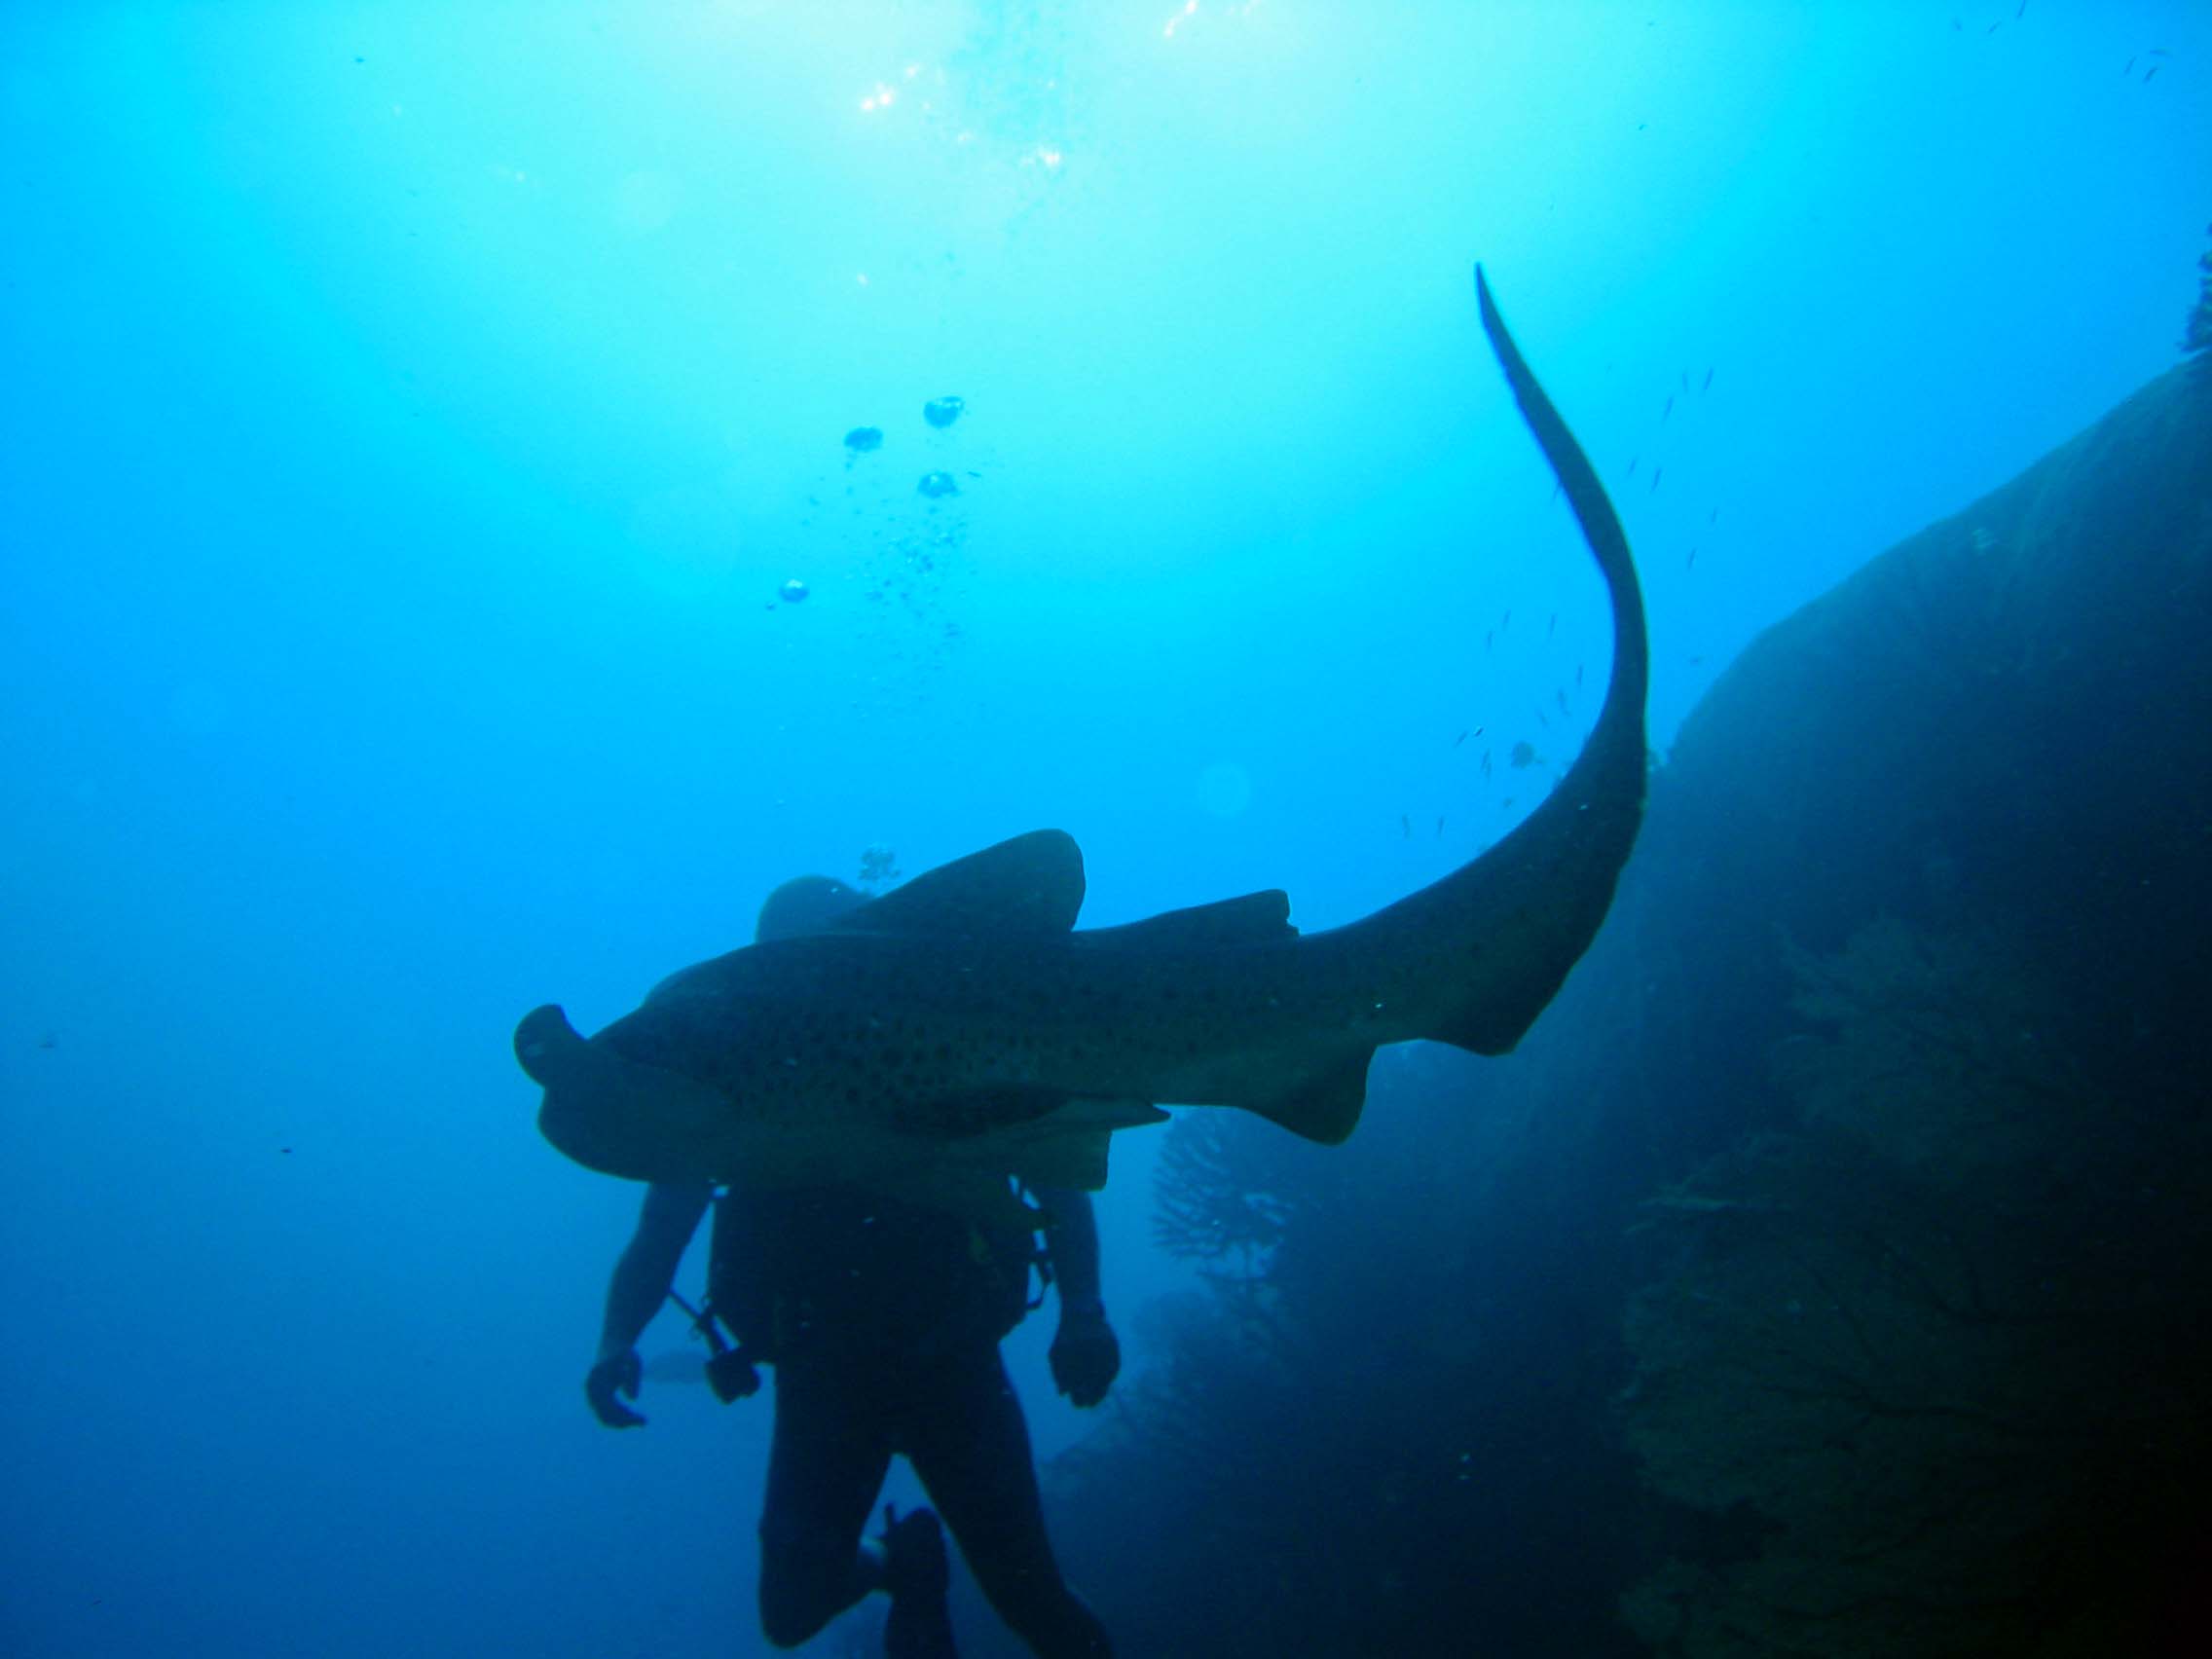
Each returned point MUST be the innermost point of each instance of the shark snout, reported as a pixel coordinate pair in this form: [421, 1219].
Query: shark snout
[542, 1037]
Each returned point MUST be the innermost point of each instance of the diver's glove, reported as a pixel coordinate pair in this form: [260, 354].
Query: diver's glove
[611, 1372]
[1086, 1355]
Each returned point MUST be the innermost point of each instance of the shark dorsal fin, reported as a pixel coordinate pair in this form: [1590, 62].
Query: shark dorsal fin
[1032, 884]
[1256, 918]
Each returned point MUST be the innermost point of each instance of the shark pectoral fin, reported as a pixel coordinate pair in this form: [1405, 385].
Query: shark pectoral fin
[1255, 918]
[1032, 884]
[1325, 1106]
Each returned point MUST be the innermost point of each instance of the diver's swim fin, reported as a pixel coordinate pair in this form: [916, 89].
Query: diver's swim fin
[918, 1572]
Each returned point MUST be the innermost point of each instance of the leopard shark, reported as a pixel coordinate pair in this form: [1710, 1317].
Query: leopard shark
[961, 1031]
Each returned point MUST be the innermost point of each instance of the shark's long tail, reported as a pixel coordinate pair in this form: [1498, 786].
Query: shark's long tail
[1486, 948]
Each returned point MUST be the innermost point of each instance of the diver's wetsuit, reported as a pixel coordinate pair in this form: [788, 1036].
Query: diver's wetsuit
[884, 1322]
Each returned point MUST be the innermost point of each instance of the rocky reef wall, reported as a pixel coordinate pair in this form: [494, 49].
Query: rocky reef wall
[1828, 1272]
[1929, 1317]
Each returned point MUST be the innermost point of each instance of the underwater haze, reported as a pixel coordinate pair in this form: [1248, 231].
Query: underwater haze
[444, 573]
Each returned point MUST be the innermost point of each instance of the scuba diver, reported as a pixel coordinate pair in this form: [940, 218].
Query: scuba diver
[882, 1321]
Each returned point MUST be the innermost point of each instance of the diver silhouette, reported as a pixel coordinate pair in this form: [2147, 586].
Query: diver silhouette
[882, 1322]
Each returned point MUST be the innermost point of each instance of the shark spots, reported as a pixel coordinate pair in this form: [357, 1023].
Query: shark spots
[961, 1029]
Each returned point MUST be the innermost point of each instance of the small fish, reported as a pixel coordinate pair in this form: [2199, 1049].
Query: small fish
[2021, 13]
[1504, 622]
[1552, 627]
[1632, 461]
[1670, 409]
[1485, 763]
[1655, 472]
[1560, 694]
[1713, 517]
[2147, 73]
[1578, 676]
[1406, 826]
[1708, 386]
[1685, 380]
[1558, 489]
[1540, 720]
[1461, 738]
[1993, 27]
[1690, 563]
[1488, 636]
[1440, 827]
[2127, 68]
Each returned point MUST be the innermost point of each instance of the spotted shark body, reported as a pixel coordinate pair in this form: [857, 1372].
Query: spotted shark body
[961, 1029]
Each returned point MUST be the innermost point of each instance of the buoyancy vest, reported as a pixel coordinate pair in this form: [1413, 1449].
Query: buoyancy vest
[820, 1269]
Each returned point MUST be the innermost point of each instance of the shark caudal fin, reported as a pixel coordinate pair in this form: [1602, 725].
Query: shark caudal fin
[1481, 953]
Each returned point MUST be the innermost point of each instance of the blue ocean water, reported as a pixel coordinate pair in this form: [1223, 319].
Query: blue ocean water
[416, 417]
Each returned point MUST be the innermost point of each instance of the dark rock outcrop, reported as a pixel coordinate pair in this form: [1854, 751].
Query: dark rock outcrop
[1999, 728]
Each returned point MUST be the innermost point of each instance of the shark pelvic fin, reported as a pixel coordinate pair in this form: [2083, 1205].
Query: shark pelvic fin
[1077, 1159]
[1032, 884]
[1324, 1107]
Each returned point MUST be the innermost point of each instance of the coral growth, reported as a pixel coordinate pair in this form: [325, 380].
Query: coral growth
[1940, 1346]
